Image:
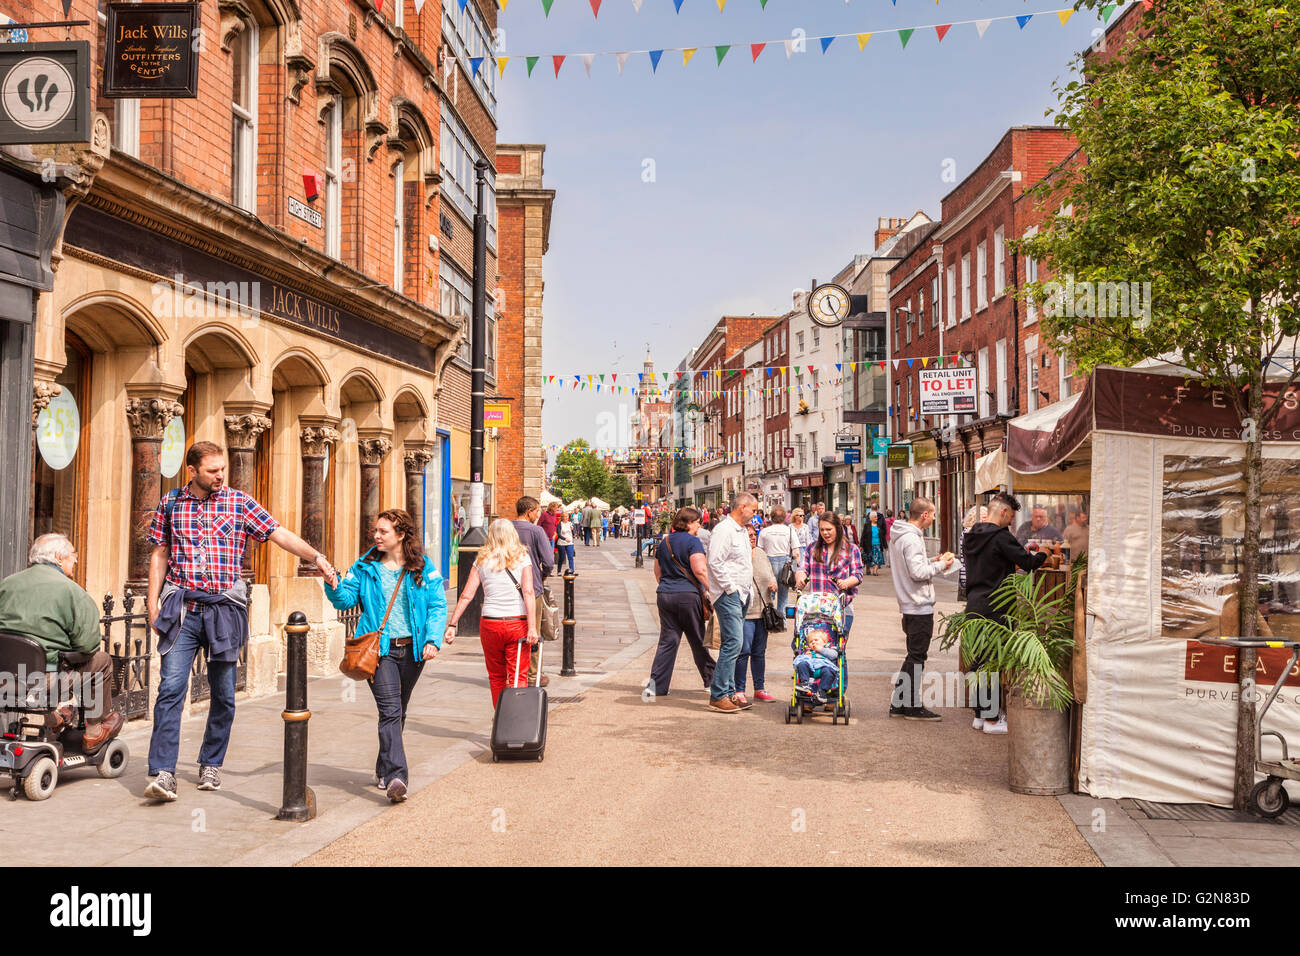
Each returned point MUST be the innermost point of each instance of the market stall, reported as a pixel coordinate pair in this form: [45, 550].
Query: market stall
[1158, 458]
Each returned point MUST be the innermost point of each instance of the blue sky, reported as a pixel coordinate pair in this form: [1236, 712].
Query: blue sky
[766, 174]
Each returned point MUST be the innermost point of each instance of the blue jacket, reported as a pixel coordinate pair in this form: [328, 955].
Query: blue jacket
[427, 601]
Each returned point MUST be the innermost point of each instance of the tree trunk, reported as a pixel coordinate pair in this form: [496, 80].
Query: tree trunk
[1244, 776]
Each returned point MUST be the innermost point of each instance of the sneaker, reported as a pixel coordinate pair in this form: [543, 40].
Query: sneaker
[920, 713]
[396, 791]
[803, 688]
[162, 787]
[896, 711]
[764, 696]
[977, 723]
[819, 697]
[209, 778]
[724, 705]
[380, 783]
[998, 726]
[740, 701]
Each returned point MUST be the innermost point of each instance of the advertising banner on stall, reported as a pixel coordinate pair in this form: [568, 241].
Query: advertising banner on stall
[948, 391]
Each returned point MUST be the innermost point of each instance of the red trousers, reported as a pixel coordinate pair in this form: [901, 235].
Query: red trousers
[500, 639]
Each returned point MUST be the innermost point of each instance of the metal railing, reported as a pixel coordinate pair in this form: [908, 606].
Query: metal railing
[130, 649]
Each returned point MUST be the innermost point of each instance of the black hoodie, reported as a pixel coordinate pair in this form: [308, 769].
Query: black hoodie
[990, 552]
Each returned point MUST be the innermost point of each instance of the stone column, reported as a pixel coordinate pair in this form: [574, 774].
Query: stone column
[242, 433]
[316, 436]
[416, 457]
[372, 450]
[148, 416]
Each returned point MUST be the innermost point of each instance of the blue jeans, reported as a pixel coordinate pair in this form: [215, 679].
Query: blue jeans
[822, 679]
[848, 622]
[565, 551]
[174, 684]
[730, 611]
[753, 654]
[392, 684]
[782, 592]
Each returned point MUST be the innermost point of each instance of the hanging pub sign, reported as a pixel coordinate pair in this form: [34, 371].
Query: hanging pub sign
[45, 92]
[153, 50]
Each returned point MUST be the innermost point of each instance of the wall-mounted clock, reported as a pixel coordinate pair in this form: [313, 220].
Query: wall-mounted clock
[828, 305]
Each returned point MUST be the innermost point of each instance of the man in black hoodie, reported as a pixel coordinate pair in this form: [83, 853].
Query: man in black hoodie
[991, 552]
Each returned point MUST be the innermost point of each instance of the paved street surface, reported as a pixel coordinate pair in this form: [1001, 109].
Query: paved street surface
[624, 780]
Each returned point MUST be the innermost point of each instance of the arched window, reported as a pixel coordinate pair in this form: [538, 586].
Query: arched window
[348, 97]
[244, 55]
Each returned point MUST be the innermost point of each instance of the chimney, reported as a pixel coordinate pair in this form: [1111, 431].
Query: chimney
[887, 228]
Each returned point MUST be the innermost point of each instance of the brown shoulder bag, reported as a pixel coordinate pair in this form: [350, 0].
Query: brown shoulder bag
[361, 655]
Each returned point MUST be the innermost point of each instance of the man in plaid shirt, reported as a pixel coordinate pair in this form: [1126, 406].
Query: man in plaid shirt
[194, 578]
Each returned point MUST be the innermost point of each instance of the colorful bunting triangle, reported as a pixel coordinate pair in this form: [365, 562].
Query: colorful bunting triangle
[906, 35]
[862, 41]
[981, 26]
[587, 60]
[755, 49]
[474, 63]
[558, 61]
[1064, 16]
[687, 54]
[501, 65]
[595, 8]
[654, 60]
[1106, 12]
[532, 62]
[546, 6]
[1022, 20]
[942, 30]
[826, 42]
[721, 52]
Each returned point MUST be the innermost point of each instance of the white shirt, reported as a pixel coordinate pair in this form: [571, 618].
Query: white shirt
[803, 535]
[779, 540]
[731, 563]
[500, 596]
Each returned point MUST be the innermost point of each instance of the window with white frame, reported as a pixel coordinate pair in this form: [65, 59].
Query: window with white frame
[399, 14]
[816, 392]
[907, 321]
[981, 276]
[817, 337]
[466, 32]
[333, 178]
[965, 287]
[1000, 351]
[1031, 275]
[934, 303]
[243, 118]
[920, 314]
[125, 113]
[999, 262]
[982, 381]
[1063, 375]
[1031, 399]
[798, 343]
[951, 278]
[910, 401]
[898, 325]
[459, 177]
[399, 223]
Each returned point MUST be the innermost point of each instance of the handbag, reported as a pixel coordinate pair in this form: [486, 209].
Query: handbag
[361, 653]
[786, 577]
[771, 618]
[549, 625]
[704, 598]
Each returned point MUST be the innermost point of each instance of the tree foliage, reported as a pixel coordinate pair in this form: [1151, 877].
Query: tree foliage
[580, 474]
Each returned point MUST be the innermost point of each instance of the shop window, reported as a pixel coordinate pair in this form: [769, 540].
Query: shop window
[59, 472]
[243, 116]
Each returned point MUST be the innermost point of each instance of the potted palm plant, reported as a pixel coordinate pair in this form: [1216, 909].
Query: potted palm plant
[1030, 648]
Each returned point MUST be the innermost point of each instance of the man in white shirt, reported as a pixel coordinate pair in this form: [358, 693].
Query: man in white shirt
[731, 576]
[779, 542]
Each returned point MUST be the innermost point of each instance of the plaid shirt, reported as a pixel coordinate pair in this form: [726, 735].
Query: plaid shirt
[208, 535]
[822, 576]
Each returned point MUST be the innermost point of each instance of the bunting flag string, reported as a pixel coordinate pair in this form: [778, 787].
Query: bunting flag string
[791, 46]
[636, 5]
[723, 376]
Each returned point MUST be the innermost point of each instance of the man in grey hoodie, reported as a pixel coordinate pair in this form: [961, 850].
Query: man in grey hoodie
[913, 571]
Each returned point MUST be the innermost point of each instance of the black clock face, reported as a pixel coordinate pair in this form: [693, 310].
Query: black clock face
[828, 305]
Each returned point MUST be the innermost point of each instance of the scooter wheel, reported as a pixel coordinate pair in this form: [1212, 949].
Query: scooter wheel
[41, 779]
[1269, 798]
[113, 759]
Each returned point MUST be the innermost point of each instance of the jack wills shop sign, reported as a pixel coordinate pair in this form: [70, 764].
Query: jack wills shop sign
[237, 291]
[152, 50]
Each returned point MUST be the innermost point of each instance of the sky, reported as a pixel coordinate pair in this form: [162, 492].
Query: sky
[704, 190]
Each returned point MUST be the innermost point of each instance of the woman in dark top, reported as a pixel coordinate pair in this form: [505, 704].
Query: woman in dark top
[681, 568]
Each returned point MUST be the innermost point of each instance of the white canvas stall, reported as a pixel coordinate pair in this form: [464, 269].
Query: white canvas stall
[1150, 730]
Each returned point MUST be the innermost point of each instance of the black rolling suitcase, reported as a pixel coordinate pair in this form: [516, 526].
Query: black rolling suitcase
[519, 725]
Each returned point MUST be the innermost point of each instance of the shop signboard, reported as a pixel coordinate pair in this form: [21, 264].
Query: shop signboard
[58, 429]
[899, 456]
[879, 446]
[173, 447]
[852, 456]
[496, 415]
[948, 391]
[843, 441]
[45, 92]
[152, 50]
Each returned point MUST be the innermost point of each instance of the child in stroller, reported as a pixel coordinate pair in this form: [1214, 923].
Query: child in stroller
[821, 676]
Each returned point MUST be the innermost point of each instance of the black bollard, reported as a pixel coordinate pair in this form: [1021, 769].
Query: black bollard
[640, 546]
[299, 802]
[567, 669]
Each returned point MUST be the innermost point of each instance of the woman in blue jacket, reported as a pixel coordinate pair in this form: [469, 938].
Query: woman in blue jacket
[412, 635]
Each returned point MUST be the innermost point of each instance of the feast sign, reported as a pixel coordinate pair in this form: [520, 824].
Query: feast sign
[948, 391]
[152, 50]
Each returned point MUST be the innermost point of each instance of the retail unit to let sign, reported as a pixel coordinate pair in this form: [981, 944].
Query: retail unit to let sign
[45, 92]
[152, 50]
[948, 391]
[496, 416]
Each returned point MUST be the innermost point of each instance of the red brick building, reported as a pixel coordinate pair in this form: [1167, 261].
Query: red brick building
[776, 413]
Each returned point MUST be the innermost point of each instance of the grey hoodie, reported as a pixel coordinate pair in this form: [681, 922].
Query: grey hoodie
[912, 569]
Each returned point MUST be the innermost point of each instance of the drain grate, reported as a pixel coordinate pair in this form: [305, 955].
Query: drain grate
[1204, 813]
[576, 698]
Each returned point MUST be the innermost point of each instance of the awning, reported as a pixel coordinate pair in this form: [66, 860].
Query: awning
[991, 472]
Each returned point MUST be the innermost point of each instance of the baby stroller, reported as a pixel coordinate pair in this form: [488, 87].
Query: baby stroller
[819, 612]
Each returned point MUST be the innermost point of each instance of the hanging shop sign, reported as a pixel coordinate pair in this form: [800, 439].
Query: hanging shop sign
[853, 456]
[496, 415]
[879, 446]
[45, 92]
[948, 391]
[899, 456]
[845, 440]
[58, 429]
[152, 50]
[173, 447]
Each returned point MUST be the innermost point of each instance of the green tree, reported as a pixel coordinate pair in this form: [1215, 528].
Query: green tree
[1189, 180]
[618, 490]
[578, 472]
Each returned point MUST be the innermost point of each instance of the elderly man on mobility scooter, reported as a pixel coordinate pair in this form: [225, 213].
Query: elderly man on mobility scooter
[45, 604]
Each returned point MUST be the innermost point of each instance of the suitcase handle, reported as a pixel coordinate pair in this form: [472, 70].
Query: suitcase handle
[521, 642]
